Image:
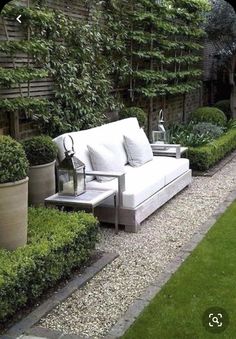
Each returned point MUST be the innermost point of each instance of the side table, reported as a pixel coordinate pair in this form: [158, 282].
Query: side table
[89, 199]
[169, 152]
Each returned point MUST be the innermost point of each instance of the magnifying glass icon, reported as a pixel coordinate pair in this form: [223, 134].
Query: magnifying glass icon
[215, 320]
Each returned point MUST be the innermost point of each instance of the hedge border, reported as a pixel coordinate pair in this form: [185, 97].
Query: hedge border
[203, 157]
[26, 273]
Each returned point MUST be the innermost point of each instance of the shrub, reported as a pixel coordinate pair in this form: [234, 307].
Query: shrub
[209, 129]
[176, 128]
[209, 114]
[57, 243]
[202, 158]
[184, 135]
[186, 138]
[13, 161]
[136, 112]
[224, 106]
[40, 150]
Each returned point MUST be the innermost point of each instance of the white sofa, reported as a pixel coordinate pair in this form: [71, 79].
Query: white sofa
[142, 189]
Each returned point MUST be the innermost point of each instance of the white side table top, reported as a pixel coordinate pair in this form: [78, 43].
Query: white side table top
[169, 151]
[89, 198]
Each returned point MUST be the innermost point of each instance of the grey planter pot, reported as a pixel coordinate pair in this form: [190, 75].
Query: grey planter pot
[41, 183]
[13, 214]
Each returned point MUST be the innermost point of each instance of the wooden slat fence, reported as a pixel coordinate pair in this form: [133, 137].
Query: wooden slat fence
[43, 88]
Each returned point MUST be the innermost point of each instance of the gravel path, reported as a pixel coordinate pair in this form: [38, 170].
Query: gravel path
[92, 310]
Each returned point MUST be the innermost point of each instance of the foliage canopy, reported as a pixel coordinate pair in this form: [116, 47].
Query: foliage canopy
[150, 48]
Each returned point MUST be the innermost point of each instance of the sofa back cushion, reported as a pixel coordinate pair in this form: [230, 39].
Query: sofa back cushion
[106, 160]
[108, 134]
[138, 148]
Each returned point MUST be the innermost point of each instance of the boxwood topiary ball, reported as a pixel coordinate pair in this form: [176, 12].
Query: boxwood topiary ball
[136, 112]
[13, 161]
[40, 150]
[209, 114]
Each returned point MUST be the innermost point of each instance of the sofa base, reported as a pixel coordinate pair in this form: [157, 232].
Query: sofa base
[132, 218]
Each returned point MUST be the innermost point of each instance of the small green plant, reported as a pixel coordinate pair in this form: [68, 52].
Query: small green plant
[186, 136]
[13, 161]
[209, 114]
[57, 243]
[136, 112]
[224, 106]
[40, 150]
[209, 129]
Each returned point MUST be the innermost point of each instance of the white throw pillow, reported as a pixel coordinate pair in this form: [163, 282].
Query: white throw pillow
[138, 148]
[116, 146]
[103, 159]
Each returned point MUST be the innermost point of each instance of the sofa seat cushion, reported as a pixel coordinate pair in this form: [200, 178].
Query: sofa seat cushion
[144, 181]
[170, 168]
[135, 193]
[167, 167]
[140, 185]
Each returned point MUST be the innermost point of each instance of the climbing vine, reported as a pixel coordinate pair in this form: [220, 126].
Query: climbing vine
[163, 44]
[150, 48]
[69, 52]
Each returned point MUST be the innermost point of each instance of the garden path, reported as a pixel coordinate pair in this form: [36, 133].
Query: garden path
[92, 310]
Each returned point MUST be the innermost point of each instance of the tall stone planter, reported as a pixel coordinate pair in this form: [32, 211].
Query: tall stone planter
[13, 214]
[41, 183]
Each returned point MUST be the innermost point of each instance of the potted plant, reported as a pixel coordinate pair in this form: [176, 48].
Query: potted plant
[13, 194]
[41, 153]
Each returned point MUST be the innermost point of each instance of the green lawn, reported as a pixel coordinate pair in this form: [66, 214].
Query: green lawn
[206, 279]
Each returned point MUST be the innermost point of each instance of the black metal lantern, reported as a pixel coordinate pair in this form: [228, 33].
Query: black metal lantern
[71, 173]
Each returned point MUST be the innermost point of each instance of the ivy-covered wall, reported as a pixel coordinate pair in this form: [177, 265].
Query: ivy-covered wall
[80, 62]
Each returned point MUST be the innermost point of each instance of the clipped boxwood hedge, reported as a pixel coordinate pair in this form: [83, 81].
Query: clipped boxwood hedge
[57, 243]
[40, 150]
[203, 157]
[13, 162]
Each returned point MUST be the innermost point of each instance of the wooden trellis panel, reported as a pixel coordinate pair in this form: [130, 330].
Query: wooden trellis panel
[73, 8]
[38, 88]
[20, 60]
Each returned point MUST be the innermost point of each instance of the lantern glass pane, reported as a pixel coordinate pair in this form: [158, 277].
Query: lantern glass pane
[160, 137]
[80, 175]
[66, 182]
